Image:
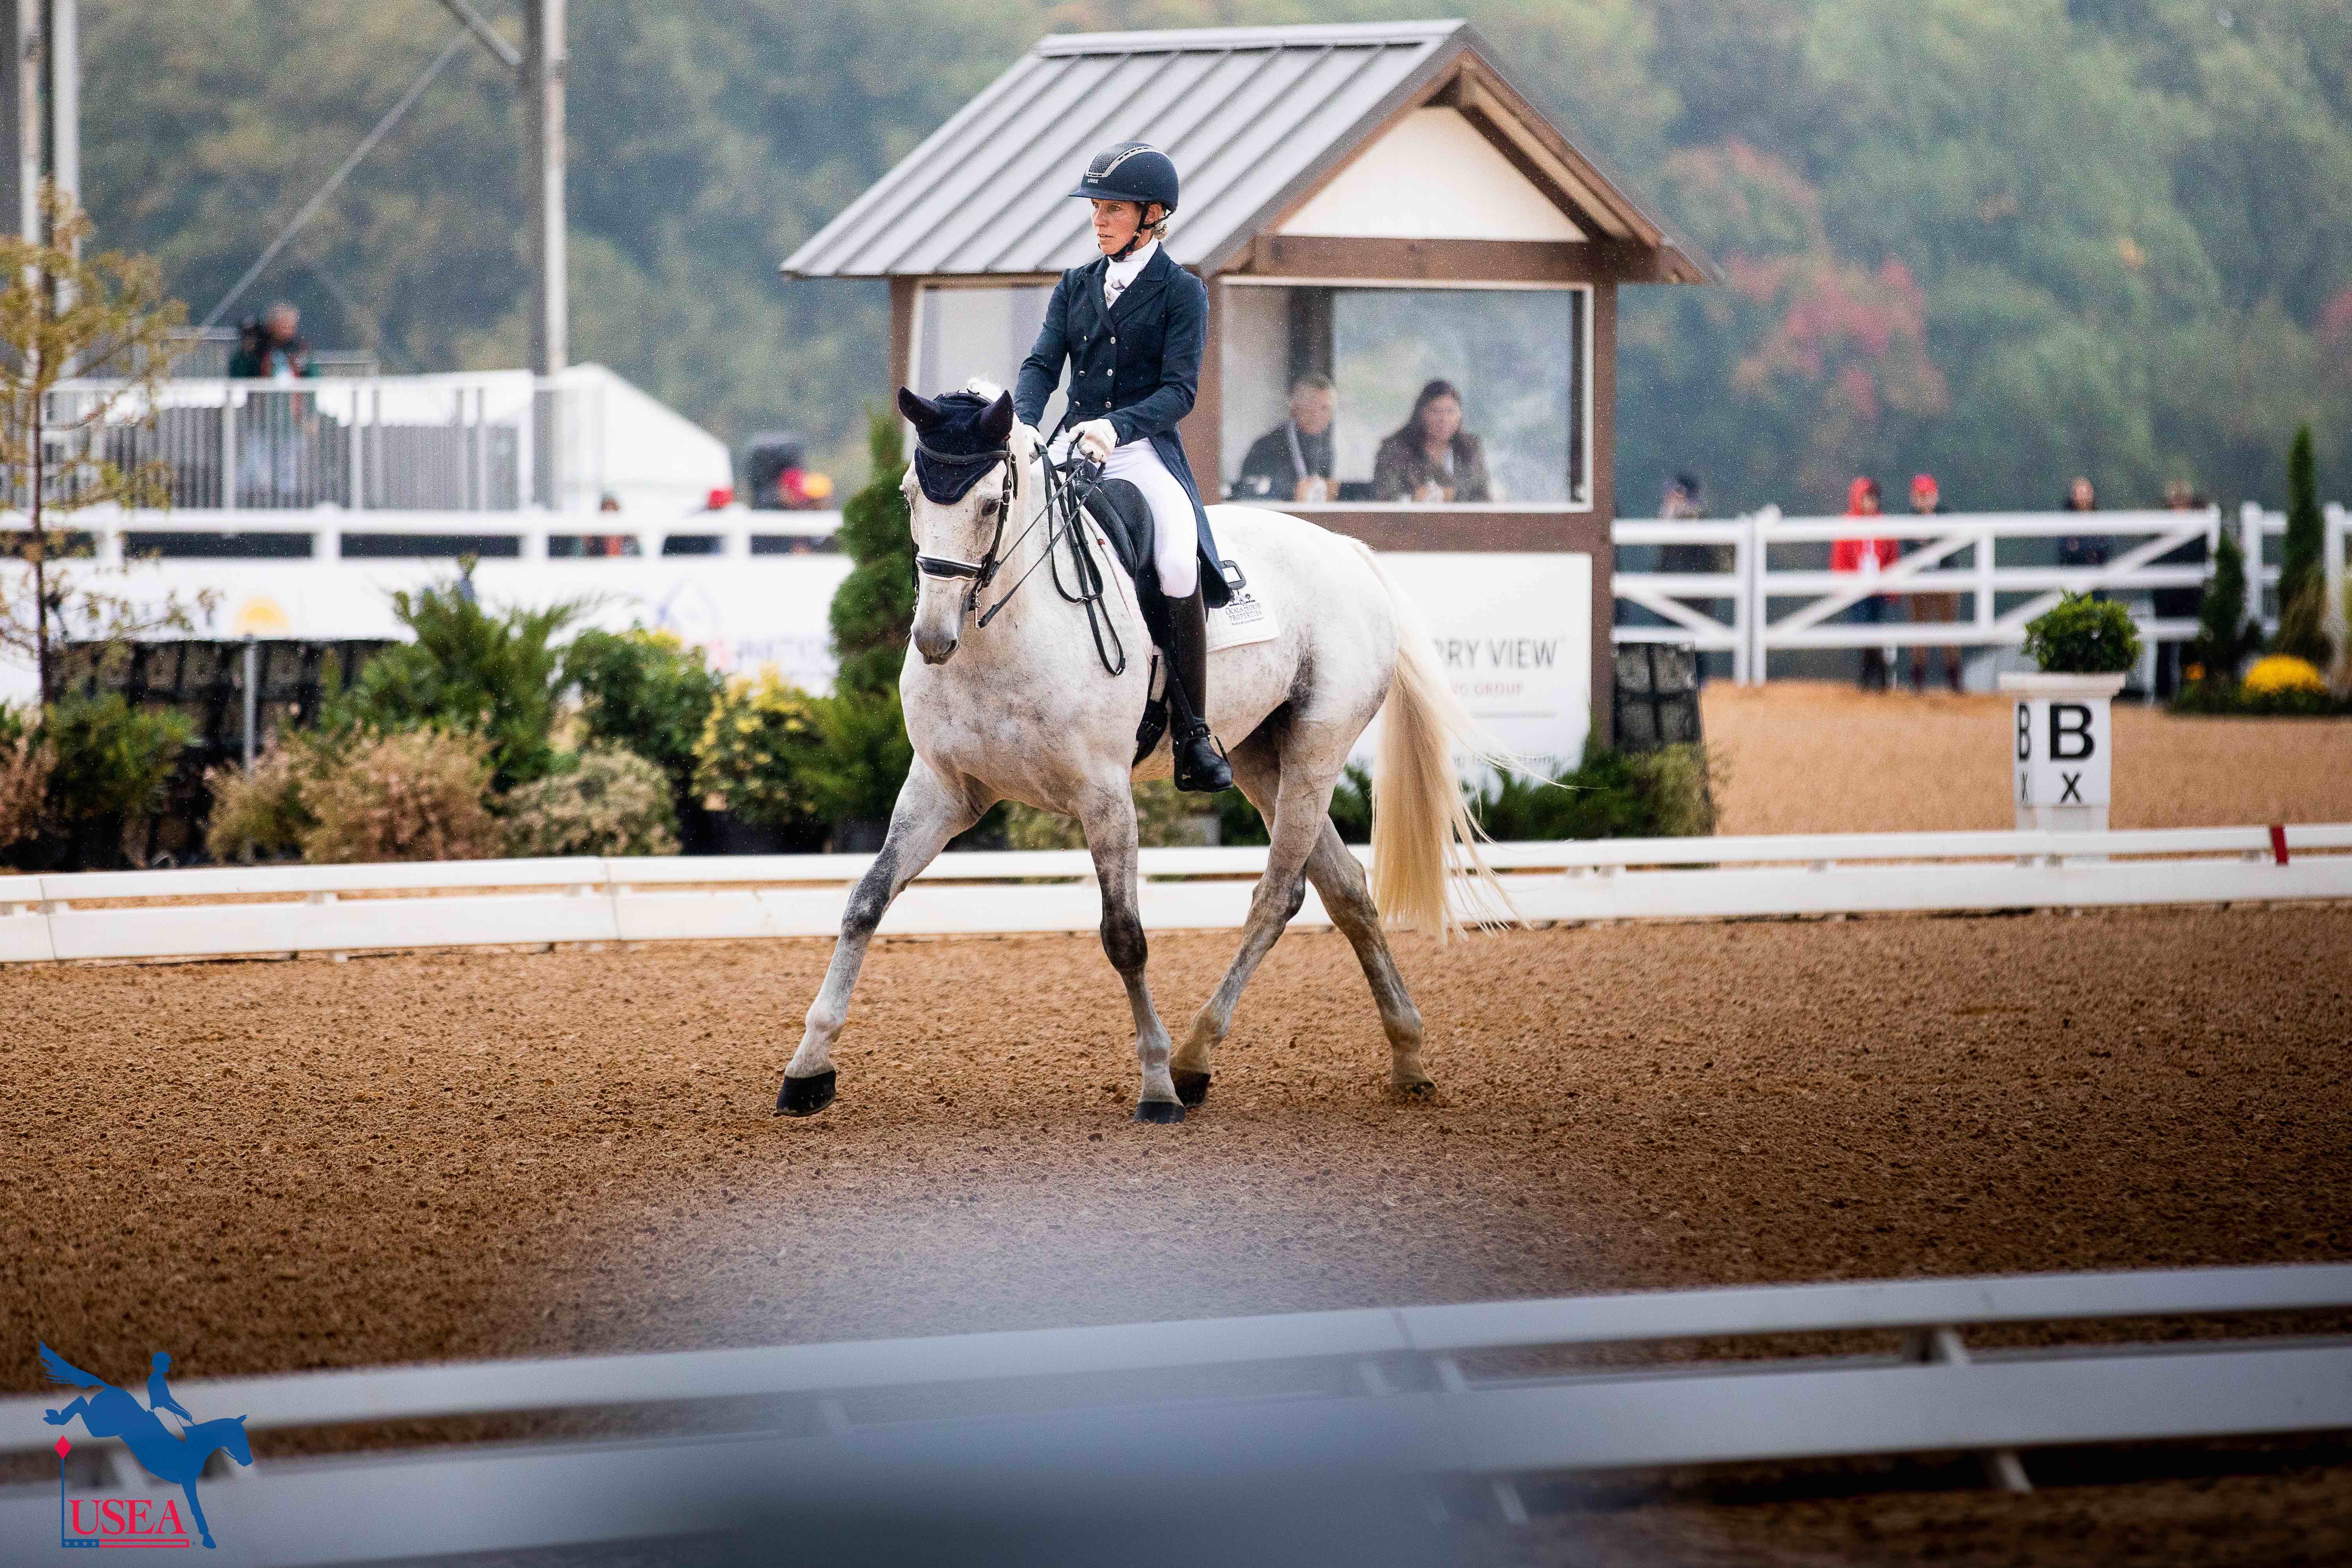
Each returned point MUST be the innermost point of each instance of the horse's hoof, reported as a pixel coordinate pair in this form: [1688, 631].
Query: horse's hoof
[1191, 1087]
[1159, 1111]
[1421, 1090]
[805, 1096]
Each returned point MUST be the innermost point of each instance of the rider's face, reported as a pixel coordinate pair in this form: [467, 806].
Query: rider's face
[1115, 224]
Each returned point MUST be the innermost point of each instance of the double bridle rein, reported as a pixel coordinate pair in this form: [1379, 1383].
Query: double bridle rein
[1061, 508]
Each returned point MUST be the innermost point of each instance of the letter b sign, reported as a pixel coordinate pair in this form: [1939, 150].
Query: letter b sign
[2061, 752]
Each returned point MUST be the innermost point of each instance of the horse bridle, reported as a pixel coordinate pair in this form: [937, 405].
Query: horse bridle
[1061, 505]
[983, 571]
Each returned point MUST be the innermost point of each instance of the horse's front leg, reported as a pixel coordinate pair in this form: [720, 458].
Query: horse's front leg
[1109, 820]
[204, 1530]
[929, 813]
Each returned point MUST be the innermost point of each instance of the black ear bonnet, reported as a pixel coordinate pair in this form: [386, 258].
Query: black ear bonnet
[960, 438]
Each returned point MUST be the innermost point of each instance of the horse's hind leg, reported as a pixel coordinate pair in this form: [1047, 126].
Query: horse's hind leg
[929, 813]
[1109, 823]
[1296, 801]
[1340, 881]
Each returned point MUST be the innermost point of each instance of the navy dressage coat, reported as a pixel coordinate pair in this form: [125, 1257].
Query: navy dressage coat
[1137, 364]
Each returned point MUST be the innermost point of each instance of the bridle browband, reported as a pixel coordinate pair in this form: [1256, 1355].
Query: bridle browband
[1062, 507]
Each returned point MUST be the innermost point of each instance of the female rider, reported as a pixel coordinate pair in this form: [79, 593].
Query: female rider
[1132, 326]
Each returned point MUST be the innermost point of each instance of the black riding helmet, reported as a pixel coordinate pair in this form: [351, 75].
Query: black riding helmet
[1130, 172]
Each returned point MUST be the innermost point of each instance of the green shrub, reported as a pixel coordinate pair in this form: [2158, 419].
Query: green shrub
[2303, 586]
[2080, 636]
[874, 608]
[1165, 818]
[25, 764]
[414, 795]
[861, 757]
[645, 691]
[2224, 634]
[611, 802]
[110, 762]
[468, 671]
[759, 753]
[262, 813]
[1666, 794]
[2230, 698]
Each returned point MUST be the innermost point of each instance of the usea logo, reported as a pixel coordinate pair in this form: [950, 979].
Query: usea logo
[177, 1458]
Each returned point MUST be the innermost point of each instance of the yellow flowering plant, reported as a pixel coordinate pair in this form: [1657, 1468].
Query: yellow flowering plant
[758, 750]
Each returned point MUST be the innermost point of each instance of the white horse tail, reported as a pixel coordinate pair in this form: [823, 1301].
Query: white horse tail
[1423, 833]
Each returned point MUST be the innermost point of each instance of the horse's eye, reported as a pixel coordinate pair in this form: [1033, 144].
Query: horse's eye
[987, 509]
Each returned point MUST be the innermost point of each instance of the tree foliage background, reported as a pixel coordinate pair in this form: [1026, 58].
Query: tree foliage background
[2006, 240]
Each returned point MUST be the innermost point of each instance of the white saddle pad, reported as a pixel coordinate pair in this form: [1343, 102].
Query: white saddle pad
[1244, 619]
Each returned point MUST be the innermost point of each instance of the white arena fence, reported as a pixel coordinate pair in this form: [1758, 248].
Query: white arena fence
[1413, 1393]
[1764, 604]
[229, 911]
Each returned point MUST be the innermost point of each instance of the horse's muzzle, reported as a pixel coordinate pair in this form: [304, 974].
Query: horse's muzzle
[936, 646]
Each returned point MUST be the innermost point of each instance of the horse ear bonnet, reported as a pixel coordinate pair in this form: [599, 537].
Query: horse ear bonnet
[958, 439]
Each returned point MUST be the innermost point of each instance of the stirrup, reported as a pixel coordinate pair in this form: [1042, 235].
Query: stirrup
[1208, 780]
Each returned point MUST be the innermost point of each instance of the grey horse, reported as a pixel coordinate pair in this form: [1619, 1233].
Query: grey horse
[1021, 709]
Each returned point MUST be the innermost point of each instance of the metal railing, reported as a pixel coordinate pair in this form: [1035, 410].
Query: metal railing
[492, 441]
[1043, 1418]
[1758, 585]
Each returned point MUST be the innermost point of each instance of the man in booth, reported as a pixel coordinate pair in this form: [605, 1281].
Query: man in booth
[1292, 462]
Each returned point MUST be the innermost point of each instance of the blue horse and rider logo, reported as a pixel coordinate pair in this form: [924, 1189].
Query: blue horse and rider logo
[167, 1455]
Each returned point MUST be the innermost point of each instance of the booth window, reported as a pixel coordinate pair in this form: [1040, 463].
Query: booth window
[960, 334]
[1516, 362]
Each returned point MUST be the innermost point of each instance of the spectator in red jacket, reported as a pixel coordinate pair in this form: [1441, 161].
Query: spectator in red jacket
[1869, 557]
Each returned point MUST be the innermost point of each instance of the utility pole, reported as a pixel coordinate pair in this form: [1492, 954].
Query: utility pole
[41, 108]
[544, 70]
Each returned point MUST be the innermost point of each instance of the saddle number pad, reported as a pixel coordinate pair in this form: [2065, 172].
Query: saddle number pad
[1244, 619]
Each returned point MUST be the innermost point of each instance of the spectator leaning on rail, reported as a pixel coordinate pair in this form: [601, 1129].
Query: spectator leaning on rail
[1927, 500]
[2083, 549]
[1869, 557]
[277, 426]
[272, 347]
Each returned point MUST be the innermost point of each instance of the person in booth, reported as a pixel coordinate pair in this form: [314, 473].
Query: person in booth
[1430, 459]
[1292, 461]
[1132, 326]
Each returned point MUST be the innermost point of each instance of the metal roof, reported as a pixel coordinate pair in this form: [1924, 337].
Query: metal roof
[1254, 116]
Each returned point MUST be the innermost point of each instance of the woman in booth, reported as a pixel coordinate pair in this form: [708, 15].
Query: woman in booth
[1430, 459]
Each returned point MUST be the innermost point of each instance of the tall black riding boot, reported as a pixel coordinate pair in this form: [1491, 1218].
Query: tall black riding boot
[1201, 767]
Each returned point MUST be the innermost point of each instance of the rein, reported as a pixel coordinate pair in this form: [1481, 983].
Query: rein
[1062, 510]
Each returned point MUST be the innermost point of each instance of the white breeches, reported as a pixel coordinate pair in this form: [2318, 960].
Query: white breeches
[1175, 538]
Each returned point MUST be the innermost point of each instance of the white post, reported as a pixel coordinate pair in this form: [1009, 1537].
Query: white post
[228, 445]
[2249, 539]
[252, 696]
[1759, 600]
[2332, 564]
[1741, 551]
[352, 486]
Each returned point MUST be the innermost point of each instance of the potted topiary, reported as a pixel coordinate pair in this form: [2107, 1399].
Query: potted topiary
[2062, 731]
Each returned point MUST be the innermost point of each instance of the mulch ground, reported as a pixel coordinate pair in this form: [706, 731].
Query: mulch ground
[271, 1166]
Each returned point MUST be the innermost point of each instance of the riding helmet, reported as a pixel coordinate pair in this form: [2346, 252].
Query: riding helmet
[1130, 172]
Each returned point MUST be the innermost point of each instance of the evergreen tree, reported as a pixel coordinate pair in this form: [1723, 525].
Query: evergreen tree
[874, 608]
[2224, 635]
[2303, 588]
[865, 752]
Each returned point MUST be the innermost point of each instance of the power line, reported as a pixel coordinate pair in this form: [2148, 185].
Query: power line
[334, 181]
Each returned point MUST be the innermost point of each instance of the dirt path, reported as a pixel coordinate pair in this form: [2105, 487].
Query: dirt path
[1808, 757]
[266, 1166]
